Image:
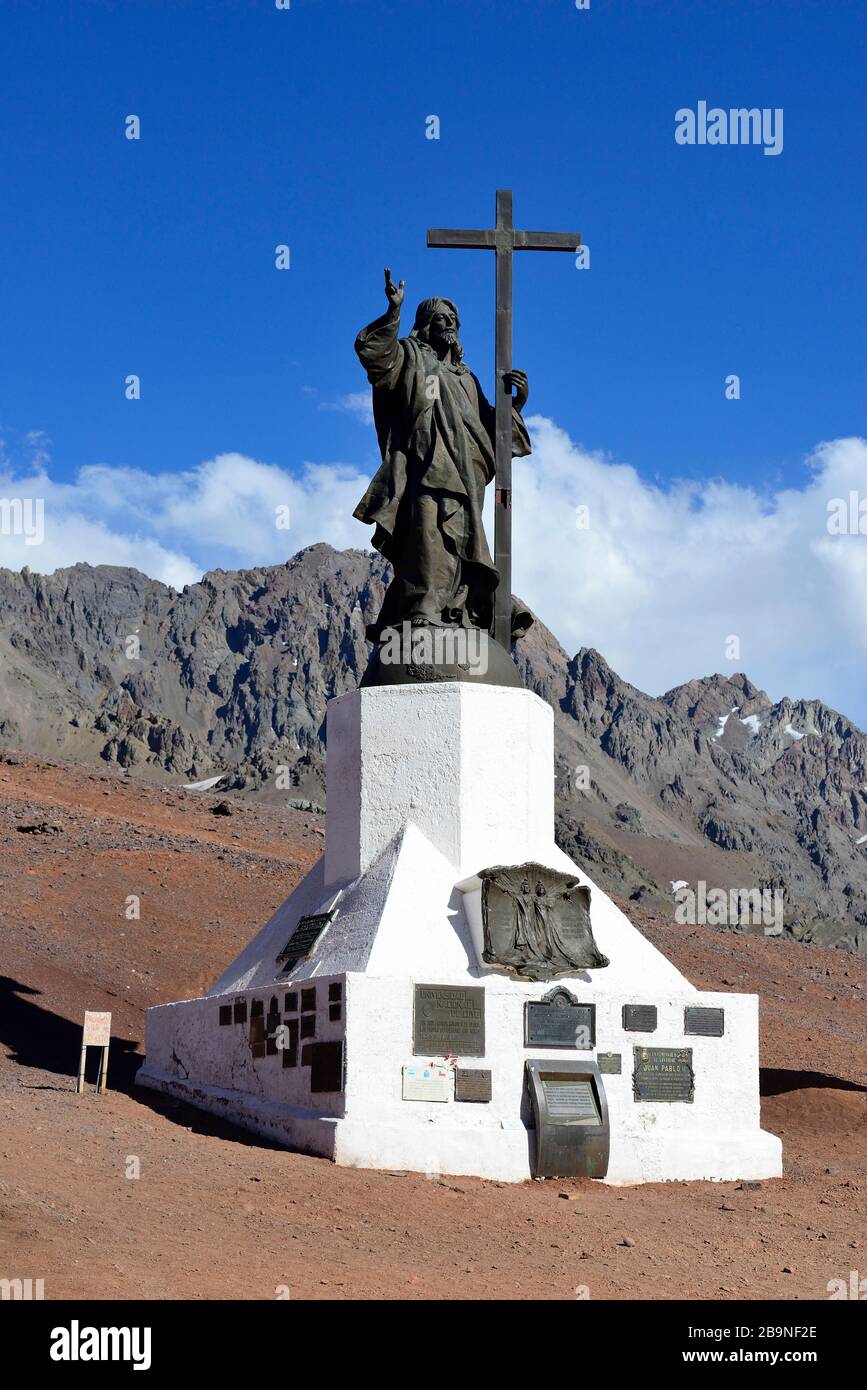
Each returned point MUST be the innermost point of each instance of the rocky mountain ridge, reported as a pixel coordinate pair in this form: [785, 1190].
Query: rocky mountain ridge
[229, 680]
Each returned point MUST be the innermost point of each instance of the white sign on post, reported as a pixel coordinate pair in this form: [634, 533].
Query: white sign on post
[97, 1030]
[96, 1033]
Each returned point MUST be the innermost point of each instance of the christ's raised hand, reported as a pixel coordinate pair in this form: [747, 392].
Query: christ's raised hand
[393, 292]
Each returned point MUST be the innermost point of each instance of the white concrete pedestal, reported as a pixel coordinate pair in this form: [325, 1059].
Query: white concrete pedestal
[428, 785]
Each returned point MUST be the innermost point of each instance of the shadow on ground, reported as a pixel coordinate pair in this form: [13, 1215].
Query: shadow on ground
[39, 1038]
[776, 1081]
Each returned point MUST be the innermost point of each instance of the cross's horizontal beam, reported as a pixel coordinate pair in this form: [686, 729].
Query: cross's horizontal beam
[491, 239]
[445, 236]
[546, 241]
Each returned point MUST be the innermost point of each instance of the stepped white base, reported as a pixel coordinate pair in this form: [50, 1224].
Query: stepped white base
[498, 1155]
[429, 785]
[367, 1124]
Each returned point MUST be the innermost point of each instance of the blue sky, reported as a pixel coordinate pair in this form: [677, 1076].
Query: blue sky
[307, 127]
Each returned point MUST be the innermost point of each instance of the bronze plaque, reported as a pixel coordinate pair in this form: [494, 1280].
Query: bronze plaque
[570, 1098]
[449, 1019]
[536, 922]
[707, 1023]
[473, 1084]
[257, 1036]
[290, 1048]
[610, 1062]
[304, 938]
[663, 1073]
[559, 1024]
[571, 1114]
[326, 1066]
[639, 1018]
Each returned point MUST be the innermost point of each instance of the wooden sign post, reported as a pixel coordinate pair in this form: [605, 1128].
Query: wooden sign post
[96, 1033]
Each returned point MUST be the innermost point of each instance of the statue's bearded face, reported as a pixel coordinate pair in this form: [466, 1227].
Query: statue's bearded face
[443, 328]
[438, 325]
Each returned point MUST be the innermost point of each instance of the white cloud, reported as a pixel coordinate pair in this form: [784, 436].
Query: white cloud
[658, 581]
[663, 576]
[357, 403]
[173, 526]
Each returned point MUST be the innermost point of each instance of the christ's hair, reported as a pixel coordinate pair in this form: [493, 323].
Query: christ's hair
[423, 315]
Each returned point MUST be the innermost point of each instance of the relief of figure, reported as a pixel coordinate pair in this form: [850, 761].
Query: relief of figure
[536, 922]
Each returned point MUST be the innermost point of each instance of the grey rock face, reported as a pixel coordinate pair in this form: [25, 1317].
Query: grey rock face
[231, 678]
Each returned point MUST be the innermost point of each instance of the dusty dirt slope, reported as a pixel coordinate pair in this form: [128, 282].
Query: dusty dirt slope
[216, 1214]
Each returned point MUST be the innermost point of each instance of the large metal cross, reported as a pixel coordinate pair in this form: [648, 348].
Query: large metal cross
[503, 239]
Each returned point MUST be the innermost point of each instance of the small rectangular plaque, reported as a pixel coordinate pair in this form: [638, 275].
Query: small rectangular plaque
[559, 1025]
[570, 1099]
[290, 1044]
[664, 1074]
[305, 936]
[610, 1063]
[473, 1084]
[97, 1029]
[427, 1083]
[702, 1022]
[639, 1018]
[326, 1066]
[449, 1018]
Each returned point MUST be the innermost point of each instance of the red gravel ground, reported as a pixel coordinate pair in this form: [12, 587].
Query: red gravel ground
[217, 1214]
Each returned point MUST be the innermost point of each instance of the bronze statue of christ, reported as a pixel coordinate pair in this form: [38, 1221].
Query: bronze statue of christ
[436, 436]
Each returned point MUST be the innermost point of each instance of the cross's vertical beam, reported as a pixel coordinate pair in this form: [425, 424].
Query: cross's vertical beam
[503, 421]
[503, 239]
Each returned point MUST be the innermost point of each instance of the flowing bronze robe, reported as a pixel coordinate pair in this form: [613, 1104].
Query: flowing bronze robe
[436, 432]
